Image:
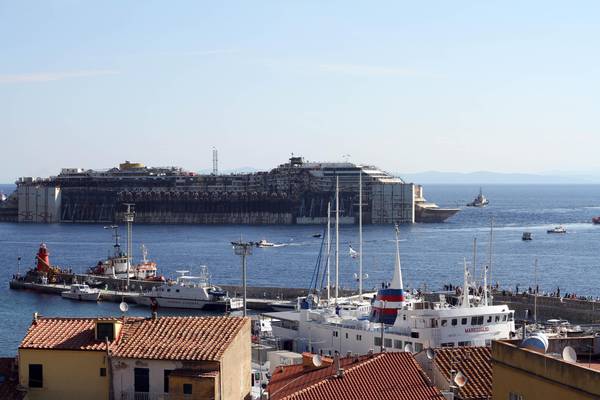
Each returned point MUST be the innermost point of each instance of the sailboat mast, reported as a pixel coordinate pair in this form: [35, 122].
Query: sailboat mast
[337, 237]
[475, 261]
[328, 250]
[536, 292]
[465, 299]
[491, 250]
[360, 239]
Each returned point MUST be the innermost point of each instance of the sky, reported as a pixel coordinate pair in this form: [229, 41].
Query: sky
[505, 86]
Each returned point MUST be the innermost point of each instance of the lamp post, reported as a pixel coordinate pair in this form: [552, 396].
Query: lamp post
[243, 249]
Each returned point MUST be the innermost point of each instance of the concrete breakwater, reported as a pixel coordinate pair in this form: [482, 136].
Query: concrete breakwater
[574, 310]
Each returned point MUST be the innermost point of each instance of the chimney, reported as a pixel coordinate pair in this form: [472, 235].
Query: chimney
[348, 354]
[35, 317]
[370, 353]
[154, 315]
[339, 372]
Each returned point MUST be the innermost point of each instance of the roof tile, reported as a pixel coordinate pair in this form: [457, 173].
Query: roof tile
[475, 363]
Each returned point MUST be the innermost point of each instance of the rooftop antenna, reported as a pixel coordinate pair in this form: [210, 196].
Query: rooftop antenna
[243, 249]
[490, 263]
[215, 162]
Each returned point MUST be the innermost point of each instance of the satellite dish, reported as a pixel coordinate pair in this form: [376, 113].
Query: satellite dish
[460, 379]
[355, 276]
[316, 360]
[537, 342]
[569, 354]
[366, 276]
[124, 307]
[430, 353]
[408, 348]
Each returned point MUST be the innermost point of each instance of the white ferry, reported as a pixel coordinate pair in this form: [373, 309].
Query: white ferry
[398, 321]
[188, 291]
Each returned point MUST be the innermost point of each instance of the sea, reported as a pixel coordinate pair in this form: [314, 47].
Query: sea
[432, 255]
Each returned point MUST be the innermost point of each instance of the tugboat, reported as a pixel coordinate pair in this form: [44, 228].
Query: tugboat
[193, 292]
[557, 229]
[479, 201]
[117, 265]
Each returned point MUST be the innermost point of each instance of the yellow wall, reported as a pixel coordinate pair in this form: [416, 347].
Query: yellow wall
[236, 366]
[67, 374]
[202, 388]
[537, 376]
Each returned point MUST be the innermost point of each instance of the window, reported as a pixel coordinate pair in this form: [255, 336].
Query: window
[448, 344]
[397, 344]
[187, 388]
[377, 341]
[454, 322]
[102, 371]
[177, 290]
[504, 318]
[462, 344]
[346, 335]
[489, 319]
[497, 319]
[515, 396]
[141, 380]
[510, 318]
[407, 344]
[359, 337]
[335, 333]
[166, 374]
[387, 343]
[414, 335]
[418, 347]
[463, 321]
[105, 330]
[36, 376]
[444, 322]
[477, 320]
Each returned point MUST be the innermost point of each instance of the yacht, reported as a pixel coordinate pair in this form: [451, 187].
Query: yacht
[264, 243]
[557, 229]
[479, 201]
[188, 291]
[398, 321]
[115, 265]
[81, 291]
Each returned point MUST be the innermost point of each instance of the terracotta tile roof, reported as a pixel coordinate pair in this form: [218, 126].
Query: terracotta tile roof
[382, 376]
[475, 363]
[62, 334]
[10, 375]
[164, 338]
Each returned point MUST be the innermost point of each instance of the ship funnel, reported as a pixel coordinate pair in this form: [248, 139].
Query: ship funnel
[390, 298]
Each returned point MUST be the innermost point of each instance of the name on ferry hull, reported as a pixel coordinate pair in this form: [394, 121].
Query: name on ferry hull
[478, 329]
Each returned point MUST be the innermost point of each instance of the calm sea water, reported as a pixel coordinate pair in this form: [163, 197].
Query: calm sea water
[431, 254]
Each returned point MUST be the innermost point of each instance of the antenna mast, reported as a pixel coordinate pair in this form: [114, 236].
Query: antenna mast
[337, 236]
[490, 264]
[129, 219]
[328, 251]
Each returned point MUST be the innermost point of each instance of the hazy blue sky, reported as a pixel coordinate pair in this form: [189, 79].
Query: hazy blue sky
[447, 85]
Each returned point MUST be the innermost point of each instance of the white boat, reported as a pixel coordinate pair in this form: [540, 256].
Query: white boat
[557, 229]
[81, 291]
[264, 243]
[479, 201]
[398, 321]
[188, 291]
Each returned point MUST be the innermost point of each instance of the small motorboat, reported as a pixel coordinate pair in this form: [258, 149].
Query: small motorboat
[81, 291]
[557, 229]
[596, 220]
[264, 243]
[317, 235]
[526, 236]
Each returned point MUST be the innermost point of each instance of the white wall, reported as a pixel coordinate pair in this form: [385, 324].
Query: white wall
[123, 375]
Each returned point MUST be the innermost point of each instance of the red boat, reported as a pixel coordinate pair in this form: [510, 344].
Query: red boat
[596, 220]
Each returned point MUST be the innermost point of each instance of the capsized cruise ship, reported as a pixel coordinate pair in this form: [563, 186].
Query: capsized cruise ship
[296, 192]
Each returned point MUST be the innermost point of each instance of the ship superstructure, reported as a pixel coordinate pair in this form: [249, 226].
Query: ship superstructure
[296, 192]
